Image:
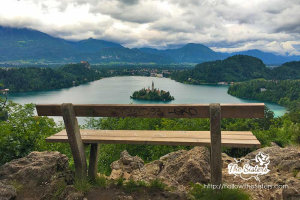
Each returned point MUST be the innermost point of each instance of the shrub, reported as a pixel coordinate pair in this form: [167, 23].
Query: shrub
[24, 132]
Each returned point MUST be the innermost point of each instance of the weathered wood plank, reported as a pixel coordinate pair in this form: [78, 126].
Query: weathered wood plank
[74, 139]
[151, 132]
[216, 150]
[158, 141]
[93, 164]
[255, 110]
[244, 139]
[240, 139]
[242, 135]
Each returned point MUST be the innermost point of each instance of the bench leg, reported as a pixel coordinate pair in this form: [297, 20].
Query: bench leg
[93, 165]
[75, 141]
[216, 152]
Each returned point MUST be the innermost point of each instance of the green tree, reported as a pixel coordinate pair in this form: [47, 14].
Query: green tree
[24, 132]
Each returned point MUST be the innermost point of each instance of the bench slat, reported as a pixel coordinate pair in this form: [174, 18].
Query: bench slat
[241, 139]
[251, 110]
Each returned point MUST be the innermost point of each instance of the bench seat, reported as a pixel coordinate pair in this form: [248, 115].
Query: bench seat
[239, 139]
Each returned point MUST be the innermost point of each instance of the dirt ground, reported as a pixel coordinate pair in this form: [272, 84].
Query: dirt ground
[115, 193]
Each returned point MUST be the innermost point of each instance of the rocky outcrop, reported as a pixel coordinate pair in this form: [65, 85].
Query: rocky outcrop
[282, 178]
[125, 165]
[46, 175]
[182, 167]
[36, 168]
[40, 175]
[7, 192]
[176, 169]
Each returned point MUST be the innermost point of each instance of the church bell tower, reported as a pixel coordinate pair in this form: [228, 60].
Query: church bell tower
[152, 86]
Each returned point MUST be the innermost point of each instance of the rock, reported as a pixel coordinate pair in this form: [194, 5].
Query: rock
[35, 169]
[189, 166]
[75, 196]
[283, 164]
[125, 165]
[41, 175]
[116, 174]
[45, 175]
[124, 197]
[286, 159]
[153, 168]
[274, 144]
[7, 192]
[298, 175]
[176, 168]
[290, 194]
[226, 159]
[180, 168]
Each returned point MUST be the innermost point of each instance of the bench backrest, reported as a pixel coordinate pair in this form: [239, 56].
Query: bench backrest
[251, 110]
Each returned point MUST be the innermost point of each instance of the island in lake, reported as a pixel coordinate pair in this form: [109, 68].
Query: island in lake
[152, 94]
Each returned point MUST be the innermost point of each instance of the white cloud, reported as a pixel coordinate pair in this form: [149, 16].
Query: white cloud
[225, 25]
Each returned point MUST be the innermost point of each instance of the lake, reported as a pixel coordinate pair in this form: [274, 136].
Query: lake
[117, 90]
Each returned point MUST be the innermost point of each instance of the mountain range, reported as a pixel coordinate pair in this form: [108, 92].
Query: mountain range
[23, 45]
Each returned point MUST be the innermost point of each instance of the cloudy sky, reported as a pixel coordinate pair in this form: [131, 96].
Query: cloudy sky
[223, 25]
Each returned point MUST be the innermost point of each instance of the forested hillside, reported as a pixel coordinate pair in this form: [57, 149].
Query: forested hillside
[235, 68]
[35, 79]
[283, 92]
[290, 70]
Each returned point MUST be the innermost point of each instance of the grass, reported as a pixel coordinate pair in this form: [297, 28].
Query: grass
[86, 185]
[100, 181]
[198, 192]
[133, 186]
[295, 172]
[157, 185]
[83, 185]
[120, 182]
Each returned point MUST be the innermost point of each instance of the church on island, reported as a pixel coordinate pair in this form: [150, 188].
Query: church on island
[152, 94]
[152, 88]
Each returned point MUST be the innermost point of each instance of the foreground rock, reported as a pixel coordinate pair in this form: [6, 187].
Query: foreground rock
[282, 181]
[46, 175]
[7, 192]
[40, 175]
[180, 168]
[176, 169]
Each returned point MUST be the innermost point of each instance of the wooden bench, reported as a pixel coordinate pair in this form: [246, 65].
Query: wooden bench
[213, 138]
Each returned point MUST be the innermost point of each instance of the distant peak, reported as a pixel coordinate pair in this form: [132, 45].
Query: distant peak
[254, 50]
[194, 45]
